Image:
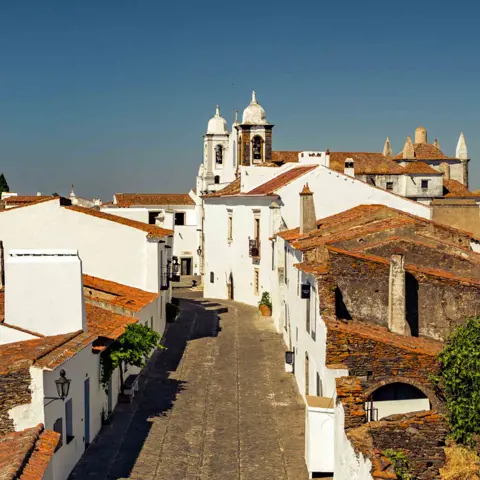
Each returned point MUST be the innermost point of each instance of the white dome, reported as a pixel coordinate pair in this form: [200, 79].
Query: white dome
[254, 114]
[217, 125]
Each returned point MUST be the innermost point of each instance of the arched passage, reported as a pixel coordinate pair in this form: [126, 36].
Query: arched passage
[398, 395]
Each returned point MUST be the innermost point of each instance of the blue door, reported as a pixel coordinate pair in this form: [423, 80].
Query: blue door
[87, 411]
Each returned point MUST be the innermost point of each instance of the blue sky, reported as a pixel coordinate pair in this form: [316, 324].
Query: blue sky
[115, 95]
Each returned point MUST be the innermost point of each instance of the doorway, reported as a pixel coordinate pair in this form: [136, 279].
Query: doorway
[185, 266]
[86, 390]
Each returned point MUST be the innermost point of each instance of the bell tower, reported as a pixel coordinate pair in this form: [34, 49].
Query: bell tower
[254, 135]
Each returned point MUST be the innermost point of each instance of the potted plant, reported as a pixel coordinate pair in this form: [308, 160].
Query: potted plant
[265, 305]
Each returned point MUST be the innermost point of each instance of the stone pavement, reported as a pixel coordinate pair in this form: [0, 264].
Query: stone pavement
[209, 407]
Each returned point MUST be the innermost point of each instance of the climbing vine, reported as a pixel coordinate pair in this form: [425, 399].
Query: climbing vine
[459, 380]
[132, 348]
[401, 465]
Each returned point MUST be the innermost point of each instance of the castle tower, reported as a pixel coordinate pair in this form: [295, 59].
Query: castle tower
[254, 135]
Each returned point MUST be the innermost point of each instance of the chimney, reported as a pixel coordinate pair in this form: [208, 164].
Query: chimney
[275, 218]
[436, 144]
[387, 148]
[44, 291]
[308, 220]
[327, 158]
[421, 135]
[445, 168]
[408, 150]
[349, 167]
[397, 320]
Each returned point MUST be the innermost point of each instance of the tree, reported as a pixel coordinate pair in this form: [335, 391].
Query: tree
[132, 348]
[3, 184]
[459, 380]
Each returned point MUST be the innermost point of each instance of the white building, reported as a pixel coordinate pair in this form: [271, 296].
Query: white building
[241, 220]
[179, 212]
[59, 325]
[111, 247]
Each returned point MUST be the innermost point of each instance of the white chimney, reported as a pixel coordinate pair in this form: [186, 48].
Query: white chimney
[349, 167]
[44, 291]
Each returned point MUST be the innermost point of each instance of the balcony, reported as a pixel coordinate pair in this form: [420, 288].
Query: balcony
[254, 248]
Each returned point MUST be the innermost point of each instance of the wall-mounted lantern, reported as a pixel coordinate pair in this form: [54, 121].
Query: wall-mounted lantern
[63, 387]
[199, 251]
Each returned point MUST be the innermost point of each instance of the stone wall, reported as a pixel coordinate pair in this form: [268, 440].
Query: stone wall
[14, 390]
[245, 147]
[268, 144]
[420, 436]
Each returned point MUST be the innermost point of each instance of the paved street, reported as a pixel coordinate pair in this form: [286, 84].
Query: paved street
[210, 407]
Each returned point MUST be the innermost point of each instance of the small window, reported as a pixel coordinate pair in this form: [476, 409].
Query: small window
[389, 185]
[219, 154]
[69, 420]
[152, 217]
[58, 427]
[212, 277]
[216, 179]
[256, 281]
[180, 218]
[230, 227]
[424, 184]
[319, 386]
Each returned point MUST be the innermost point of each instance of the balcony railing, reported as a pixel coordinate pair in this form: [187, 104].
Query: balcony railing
[254, 248]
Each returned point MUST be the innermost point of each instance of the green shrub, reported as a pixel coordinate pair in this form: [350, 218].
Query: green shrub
[265, 300]
[171, 311]
[459, 380]
[401, 465]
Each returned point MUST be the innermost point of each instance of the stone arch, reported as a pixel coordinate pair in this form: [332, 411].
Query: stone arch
[428, 392]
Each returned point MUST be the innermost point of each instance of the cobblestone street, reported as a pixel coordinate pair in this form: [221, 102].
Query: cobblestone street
[209, 407]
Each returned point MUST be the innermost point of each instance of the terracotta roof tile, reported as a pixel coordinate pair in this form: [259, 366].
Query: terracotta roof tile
[131, 298]
[315, 268]
[152, 199]
[292, 234]
[285, 156]
[14, 356]
[421, 167]
[26, 199]
[453, 188]
[26, 454]
[425, 151]
[231, 189]
[365, 163]
[152, 230]
[270, 187]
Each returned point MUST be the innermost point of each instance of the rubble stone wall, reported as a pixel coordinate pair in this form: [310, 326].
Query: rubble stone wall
[14, 390]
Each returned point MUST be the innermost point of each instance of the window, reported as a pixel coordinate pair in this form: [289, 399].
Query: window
[230, 226]
[212, 277]
[257, 149]
[216, 179]
[58, 427]
[319, 386]
[424, 184]
[314, 318]
[69, 420]
[152, 216]
[285, 266]
[389, 185]
[307, 315]
[218, 154]
[256, 282]
[180, 218]
[256, 229]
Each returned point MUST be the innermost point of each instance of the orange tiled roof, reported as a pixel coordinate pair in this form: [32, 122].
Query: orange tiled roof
[285, 156]
[132, 298]
[105, 323]
[425, 151]
[421, 345]
[315, 268]
[14, 356]
[270, 187]
[26, 454]
[291, 234]
[26, 199]
[453, 188]
[232, 188]
[421, 167]
[152, 230]
[152, 199]
[365, 163]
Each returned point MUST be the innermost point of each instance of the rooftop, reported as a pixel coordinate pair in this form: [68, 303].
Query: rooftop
[425, 151]
[26, 454]
[152, 199]
[365, 163]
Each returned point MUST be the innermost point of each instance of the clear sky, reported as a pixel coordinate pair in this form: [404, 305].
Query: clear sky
[115, 95]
